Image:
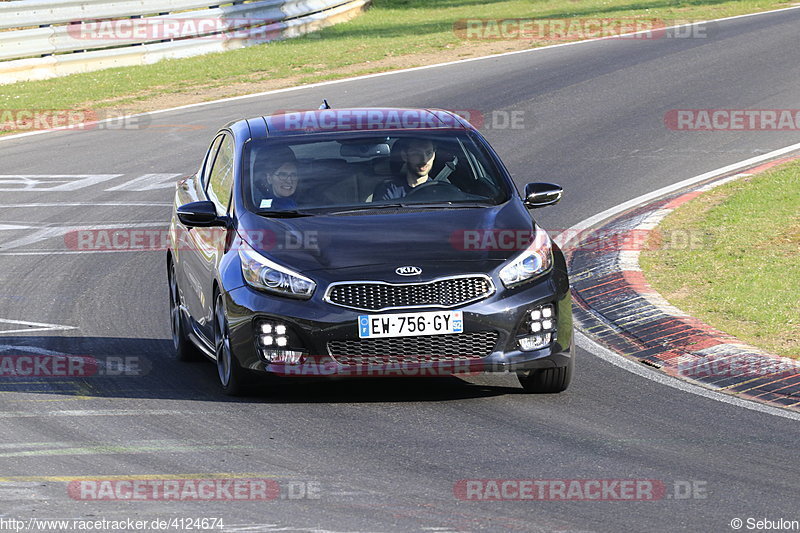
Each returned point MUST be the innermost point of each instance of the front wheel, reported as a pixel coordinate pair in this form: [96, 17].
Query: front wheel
[547, 380]
[231, 376]
[185, 350]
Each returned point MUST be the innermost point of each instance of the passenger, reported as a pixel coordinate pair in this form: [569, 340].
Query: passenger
[278, 184]
[418, 156]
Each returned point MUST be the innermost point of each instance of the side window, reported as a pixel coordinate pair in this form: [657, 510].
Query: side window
[221, 178]
[209, 160]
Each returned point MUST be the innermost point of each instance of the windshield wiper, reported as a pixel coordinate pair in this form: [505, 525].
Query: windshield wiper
[367, 207]
[413, 205]
[288, 213]
[446, 205]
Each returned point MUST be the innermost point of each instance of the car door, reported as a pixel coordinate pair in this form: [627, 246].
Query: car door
[193, 190]
[208, 244]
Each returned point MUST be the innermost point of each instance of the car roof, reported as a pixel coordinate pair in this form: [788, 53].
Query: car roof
[361, 119]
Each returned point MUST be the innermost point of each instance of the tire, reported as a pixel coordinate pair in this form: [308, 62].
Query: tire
[232, 377]
[185, 350]
[547, 380]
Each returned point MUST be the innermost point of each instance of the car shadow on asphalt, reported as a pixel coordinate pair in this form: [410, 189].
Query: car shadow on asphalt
[115, 367]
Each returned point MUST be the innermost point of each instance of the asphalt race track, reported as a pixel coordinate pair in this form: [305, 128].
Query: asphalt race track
[380, 455]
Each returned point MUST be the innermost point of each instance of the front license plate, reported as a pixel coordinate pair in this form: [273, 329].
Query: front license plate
[410, 324]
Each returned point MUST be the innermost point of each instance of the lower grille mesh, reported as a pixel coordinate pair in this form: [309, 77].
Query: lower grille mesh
[421, 349]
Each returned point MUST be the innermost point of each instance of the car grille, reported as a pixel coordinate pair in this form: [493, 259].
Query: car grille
[420, 349]
[378, 295]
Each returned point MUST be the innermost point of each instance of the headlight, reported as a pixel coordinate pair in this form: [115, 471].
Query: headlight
[263, 274]
[535, 260]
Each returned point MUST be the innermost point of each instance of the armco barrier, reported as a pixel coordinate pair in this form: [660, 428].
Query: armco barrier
[59, 47]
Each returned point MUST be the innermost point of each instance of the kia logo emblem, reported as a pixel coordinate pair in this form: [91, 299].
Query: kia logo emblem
[409, 271]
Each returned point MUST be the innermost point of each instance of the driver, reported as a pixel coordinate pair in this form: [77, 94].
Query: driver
[418, 156]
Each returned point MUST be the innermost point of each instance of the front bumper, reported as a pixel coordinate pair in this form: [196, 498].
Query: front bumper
[316, 323]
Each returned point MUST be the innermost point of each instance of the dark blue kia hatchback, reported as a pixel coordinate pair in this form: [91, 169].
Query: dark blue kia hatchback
[365, 242]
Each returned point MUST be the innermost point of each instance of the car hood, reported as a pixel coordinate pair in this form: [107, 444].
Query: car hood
[480, 238]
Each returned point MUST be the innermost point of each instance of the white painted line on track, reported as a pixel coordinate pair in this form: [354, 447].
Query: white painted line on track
[33, 326]
[74, 182]
[29, 349]
[52, 182]
[381, 74]
[86, 204]
[148, 182]
[640, 370]
[51, 232]
[620, 361]
[38, 236]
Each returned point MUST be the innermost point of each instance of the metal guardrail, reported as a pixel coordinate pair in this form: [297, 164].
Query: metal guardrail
[85, 35]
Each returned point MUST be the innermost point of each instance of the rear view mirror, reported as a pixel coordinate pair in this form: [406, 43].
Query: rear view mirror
[364, 150]
[542, 194]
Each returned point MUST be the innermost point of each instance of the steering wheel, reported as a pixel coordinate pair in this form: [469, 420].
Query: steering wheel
[436, 190]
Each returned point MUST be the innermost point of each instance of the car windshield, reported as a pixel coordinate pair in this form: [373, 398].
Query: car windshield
[354, 172]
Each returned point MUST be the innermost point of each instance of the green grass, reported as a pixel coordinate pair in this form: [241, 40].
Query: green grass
[390, 28]
[744, 279]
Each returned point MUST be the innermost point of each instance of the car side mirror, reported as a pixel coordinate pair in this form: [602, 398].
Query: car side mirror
[542, 194]
[200, 215]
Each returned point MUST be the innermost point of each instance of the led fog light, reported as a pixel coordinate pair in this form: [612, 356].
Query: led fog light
[277, 343]
[540, 320]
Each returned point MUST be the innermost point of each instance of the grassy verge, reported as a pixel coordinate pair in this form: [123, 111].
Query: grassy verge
[744, 276]
[391, 34]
